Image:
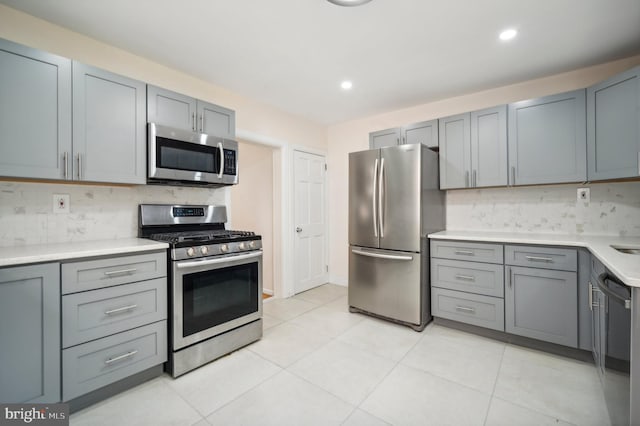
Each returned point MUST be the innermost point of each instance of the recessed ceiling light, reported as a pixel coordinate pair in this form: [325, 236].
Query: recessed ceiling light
[348, 2]
[346, 85]
[508, 34]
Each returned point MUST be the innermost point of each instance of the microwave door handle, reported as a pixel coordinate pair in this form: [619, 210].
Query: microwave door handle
[221, 160]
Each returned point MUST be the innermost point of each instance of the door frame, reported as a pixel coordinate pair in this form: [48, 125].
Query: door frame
[292, 225]
[284, 233]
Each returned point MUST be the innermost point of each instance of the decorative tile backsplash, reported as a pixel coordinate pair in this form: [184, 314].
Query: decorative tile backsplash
[614, 209]
[97, 212]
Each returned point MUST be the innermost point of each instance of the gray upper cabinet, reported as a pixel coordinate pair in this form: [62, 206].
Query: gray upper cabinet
[613, 127]
[489, 147]
[455, 151]
[170, 108]
[30, 334]
[473, 149]
[35, 112]
[425, 133]
[384, 138]
[109, 127]
[547, 140]
[216, 120]
[183, 112]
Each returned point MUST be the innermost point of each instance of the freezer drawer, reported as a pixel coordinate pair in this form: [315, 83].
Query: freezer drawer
[386, 283]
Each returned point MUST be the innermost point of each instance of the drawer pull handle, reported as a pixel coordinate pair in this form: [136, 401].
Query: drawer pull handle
[464, 252]
[120, 272]
[539, 259]
[120, 357]
[466, 309]
[119, 310]
[465, 277]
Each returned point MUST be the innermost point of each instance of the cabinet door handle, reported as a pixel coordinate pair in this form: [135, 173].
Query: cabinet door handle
[464, 252]
[539, 259]
[202, 123]
[466, 309]
[65, 164]
[475, 178]
[79, 166]
[513, 175]
[120, 272]
[119, 310]
[509, 280]
[193, 121]
[465, 278]
[120, 357]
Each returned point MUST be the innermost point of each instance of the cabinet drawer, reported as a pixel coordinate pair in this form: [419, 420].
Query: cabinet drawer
[473, 277]
[462, 250]
[541, 257]
[96, 364]
[93, 274]
[475, 309]
[94, 314]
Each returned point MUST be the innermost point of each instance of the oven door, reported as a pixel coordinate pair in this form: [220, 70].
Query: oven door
[215, 295]
[190, 158]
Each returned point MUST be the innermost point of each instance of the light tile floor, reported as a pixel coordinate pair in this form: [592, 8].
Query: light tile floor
[318, 364]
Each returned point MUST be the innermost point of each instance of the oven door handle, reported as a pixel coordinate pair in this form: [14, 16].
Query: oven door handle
[195, 263]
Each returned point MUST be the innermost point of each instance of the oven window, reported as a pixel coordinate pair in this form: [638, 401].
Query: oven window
[178, 155]
[214, 297]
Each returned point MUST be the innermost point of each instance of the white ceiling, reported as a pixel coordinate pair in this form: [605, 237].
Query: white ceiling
[294, 53]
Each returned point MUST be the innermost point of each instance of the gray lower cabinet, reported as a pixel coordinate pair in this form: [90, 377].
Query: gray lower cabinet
[183, 112]
[109, 127]
[613, 127]
[547, 139]
[30, 334]
[542, 304]
[100, 362]
[473, 149]
[35, 118]
[114, 312]
[475, 309]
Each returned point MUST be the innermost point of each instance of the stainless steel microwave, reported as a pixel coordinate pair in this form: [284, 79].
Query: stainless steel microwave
[181, 157]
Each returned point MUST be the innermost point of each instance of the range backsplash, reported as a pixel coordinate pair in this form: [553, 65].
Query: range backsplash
[614, 209]
[97, 212]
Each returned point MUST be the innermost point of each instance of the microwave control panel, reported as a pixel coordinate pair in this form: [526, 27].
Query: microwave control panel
[230, 162]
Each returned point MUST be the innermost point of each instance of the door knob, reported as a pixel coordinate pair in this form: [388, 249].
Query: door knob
[298, 229]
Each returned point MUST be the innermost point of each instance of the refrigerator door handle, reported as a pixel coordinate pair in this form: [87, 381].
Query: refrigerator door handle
[373, 198]
[380, 255]
[380, 197]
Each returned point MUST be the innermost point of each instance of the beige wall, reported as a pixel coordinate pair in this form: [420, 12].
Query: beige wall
[353, 136]
[252, 202]
[251, 115]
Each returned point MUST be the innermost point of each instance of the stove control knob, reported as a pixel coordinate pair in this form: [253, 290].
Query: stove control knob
[204, 250]
[224, 248]
[242, 246]
[191, 251]
[252, 244]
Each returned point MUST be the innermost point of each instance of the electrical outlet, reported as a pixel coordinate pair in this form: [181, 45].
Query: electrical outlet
[61, 203]
[584, 195]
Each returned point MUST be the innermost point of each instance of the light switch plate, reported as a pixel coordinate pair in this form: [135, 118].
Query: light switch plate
[584, 195]
[61, 203]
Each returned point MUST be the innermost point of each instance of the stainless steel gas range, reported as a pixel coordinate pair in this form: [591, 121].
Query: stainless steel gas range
[215, 284]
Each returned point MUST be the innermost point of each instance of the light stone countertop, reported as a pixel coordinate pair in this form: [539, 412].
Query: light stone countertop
[625, 266]
[39, 253]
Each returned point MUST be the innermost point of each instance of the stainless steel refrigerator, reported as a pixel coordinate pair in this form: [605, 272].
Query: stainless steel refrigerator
[394, 202]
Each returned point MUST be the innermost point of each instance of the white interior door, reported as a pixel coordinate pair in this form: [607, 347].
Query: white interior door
[309, 219]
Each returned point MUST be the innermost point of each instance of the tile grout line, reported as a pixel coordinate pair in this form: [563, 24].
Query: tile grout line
[495, 384]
